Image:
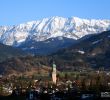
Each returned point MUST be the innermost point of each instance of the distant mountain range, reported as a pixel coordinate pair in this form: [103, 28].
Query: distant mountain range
[73, 43]
[50, 34]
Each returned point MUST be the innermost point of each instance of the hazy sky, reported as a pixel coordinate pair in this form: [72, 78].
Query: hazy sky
[20, 11]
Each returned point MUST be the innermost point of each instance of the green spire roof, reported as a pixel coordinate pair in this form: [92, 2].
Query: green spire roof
[54, 66]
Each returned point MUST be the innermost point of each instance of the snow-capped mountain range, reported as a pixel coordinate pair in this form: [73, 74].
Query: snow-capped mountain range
[41, 30]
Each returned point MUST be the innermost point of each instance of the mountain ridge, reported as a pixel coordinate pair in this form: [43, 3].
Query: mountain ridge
[46, 28]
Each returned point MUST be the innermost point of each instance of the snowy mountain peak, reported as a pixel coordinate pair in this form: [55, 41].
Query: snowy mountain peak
[46, 28]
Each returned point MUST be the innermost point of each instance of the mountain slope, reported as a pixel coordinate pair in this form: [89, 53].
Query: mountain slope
[93, 52]
[90, 53]
[8, 52]
[48, 46]
[28, 65]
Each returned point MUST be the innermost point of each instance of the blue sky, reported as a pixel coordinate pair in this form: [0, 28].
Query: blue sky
[20, 11]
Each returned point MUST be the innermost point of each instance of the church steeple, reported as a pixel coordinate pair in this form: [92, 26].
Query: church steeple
[54, 73]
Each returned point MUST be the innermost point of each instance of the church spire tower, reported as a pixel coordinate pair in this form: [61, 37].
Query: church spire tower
[54, 73]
